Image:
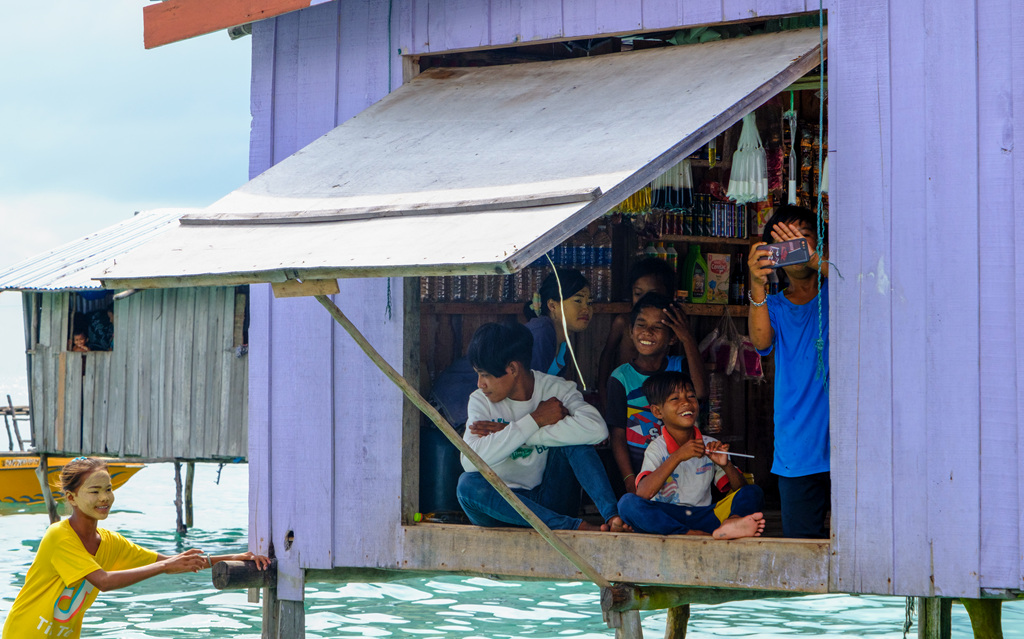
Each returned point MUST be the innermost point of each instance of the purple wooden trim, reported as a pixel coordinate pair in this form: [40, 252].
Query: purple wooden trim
[782, 7]
[739, 9]
[1000, 510]
[910, 433]
[286, 90]
[260, 399]
[952, 264]
[658, 14]
[317, 71]
[363, 77]
[261, 99]
[540, 20]
[301, 435]
[1016, 58]
[502, 26]
[368, 428]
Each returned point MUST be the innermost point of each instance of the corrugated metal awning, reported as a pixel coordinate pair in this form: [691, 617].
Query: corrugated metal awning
[473, 170]
[77, 265]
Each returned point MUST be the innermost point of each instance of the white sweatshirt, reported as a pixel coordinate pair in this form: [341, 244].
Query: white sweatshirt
[517, 453]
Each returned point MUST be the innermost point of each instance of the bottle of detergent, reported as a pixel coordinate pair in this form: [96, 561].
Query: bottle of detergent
[695, 275]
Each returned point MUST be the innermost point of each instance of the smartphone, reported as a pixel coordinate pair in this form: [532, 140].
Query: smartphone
[787, 253]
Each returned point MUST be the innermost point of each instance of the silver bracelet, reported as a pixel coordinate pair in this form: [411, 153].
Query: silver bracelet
[750, 296]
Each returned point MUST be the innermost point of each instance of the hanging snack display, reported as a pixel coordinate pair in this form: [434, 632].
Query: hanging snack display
[748, 179]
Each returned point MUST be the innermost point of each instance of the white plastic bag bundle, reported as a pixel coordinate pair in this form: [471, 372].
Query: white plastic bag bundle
[748, 180]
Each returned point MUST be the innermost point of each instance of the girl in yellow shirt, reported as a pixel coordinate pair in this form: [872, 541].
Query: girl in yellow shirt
[77, 559]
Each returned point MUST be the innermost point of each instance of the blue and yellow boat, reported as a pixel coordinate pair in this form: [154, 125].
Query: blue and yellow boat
[19, 484]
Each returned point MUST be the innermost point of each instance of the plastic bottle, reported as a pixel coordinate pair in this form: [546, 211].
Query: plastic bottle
[601, 283]
[695, 275]
[672, 257]
[650, 251]
[660, 252]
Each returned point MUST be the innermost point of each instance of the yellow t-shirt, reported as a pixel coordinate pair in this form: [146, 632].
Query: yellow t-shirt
[56, 594]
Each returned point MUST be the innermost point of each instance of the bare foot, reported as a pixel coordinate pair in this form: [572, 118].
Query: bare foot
[586, 525]
[737, 527]
[615, 524]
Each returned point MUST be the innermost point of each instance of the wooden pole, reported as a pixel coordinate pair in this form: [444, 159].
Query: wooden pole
[582, 564]
[234, 575]
[269, 612]
[986, 617]
[629, 627]
[678, 617]
[933, 617]
[291, 619]
[43, 475]
[180, 526]
[14, 421]
[190, 476]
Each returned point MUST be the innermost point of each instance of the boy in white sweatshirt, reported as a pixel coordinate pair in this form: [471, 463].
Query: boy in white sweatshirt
[518, 419]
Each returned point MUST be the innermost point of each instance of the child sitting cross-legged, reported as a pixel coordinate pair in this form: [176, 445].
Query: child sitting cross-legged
[673, 488]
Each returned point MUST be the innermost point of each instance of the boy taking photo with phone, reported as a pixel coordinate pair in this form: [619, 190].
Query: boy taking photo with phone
[787, 325]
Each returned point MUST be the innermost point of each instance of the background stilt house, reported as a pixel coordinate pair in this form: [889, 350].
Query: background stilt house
[926, 349]
[168, 381]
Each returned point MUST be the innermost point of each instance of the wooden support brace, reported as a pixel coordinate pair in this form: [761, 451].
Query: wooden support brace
[630, 627]
[622, 597]
[557, 543]
[43, 475]
[308, 288]
[291, 620]
[269, 612]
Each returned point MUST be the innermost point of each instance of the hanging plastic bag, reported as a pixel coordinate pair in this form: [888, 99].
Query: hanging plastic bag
[750, 361]
[748, 179]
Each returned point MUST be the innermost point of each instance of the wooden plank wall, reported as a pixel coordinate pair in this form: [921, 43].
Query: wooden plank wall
[925, 386]
[172, 386]
[444, 25]
[1000, 105]
[913, 412]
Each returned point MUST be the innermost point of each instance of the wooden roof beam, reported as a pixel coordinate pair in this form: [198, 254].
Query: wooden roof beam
[174, 20]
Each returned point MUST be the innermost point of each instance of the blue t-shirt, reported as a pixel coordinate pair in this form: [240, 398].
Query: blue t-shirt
[628, 408]
[546, 357]
[801, 397]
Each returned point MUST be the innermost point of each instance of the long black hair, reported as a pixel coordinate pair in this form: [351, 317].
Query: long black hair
[572, 282]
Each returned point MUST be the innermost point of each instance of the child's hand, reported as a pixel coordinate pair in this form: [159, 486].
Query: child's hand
[676, 320]
[483, 429]
[757, 267]
[262, 561]
[192, 560]
[783, 232]
[691, 449]
[718, 447]
[550, 411]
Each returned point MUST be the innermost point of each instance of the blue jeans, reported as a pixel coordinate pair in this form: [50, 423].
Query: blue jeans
[805, 502]
[660, 518]
[485, 507]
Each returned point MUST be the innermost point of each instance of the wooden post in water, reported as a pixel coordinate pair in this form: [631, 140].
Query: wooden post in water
[42, 474]
[678, 618]
[986, 617]
[291, 620]
[190, 476]
[180, 527]
[933, 617]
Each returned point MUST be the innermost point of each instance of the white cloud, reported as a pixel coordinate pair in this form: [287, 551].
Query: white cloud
[94, 127]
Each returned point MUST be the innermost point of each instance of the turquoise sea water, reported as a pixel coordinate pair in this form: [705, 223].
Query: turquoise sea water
[189, 606]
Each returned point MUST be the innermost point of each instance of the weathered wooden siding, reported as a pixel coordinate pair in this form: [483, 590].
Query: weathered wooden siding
[926, 351]
[172, 386]
[926, 344]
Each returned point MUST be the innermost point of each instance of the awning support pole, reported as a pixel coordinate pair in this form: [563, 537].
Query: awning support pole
[449, 432]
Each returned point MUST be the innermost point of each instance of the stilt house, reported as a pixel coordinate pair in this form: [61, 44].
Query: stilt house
[395, 141]
[157, 374]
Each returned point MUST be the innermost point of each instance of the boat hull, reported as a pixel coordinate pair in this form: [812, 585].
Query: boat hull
[19, 485]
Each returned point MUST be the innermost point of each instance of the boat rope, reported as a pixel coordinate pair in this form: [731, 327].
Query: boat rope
[819, 343]
[908, 618]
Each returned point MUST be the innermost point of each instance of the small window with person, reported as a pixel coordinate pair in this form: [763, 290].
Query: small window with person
[92, 321]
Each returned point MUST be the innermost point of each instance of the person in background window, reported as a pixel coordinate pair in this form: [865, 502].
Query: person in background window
[101, 330]
[78, 343]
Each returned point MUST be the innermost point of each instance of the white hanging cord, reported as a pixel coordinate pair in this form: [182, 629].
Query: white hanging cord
[565, 327]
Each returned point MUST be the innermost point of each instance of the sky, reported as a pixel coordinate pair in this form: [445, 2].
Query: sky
[94, 127]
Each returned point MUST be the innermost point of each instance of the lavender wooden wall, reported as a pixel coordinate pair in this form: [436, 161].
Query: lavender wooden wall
[926, 353]
[926, 397]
